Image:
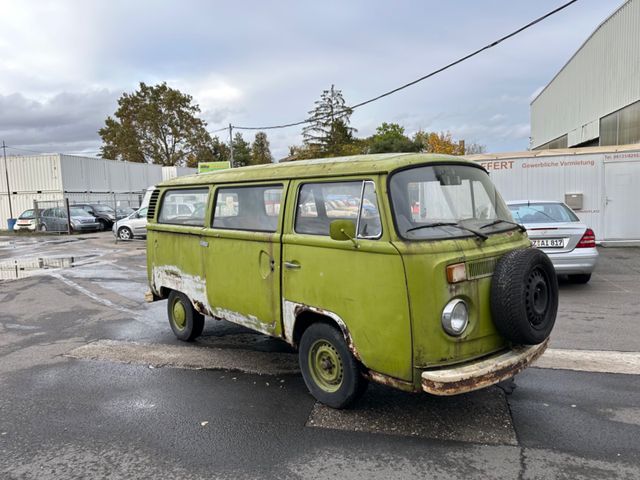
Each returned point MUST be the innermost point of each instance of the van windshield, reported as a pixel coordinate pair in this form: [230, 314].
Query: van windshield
[447, 201]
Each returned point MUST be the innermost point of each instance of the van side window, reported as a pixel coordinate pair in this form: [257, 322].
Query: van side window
[320, 203]
[254, 208]
[184, 207]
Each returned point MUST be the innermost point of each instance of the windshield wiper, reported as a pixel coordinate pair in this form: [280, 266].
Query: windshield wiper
[449, 224]
[499, 220]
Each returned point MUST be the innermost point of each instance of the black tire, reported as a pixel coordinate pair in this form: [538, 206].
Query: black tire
[524, 296]
[103, 225]
[580, 278]
[125, 233]
[188, 328]
[351, 384]
[43, 228]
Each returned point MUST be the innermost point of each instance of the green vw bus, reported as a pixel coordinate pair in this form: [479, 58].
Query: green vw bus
[403, 269]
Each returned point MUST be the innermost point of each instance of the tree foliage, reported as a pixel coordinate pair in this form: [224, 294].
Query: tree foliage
[156, 124]
[241, 151]
[260, 151]
[390, 137]
[329, 130]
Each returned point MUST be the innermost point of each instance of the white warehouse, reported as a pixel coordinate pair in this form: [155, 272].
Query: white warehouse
[601, 184]
[594, 100]
[80, 179]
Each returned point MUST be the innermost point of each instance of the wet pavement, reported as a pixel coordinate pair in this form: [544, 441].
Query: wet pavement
[93, 384]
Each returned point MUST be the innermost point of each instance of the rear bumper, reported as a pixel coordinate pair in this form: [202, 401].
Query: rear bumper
[481, 373]
[579, 260]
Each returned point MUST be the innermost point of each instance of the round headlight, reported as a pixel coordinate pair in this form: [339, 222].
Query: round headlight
[455, 317]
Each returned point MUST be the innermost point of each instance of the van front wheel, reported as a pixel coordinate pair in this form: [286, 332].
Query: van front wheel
[330, 371]
[185, 321]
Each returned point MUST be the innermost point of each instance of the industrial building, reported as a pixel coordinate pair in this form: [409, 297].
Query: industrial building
[80, 179]
[594, 100]
[600, 184]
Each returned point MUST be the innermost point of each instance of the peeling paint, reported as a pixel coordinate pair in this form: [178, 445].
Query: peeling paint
[249, 321]
[291, 311]
[193, 286]
[391, 381]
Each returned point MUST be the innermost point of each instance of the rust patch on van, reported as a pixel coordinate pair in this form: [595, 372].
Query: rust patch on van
[291, 311]
[391, 381]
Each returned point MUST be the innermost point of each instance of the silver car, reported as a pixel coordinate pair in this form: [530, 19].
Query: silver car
[135, 225]
[556, 230]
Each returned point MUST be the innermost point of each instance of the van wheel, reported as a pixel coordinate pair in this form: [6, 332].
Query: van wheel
[43, 228]
[125, 233]
[580, 278]
[187, 324]
[524, 296]
[330, 371]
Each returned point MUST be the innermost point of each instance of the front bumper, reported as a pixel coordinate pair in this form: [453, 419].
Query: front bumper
[481, 373]
[577, 261]
[86, 227]
[30, 227]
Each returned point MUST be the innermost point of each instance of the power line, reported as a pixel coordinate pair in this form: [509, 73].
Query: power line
[424, 77]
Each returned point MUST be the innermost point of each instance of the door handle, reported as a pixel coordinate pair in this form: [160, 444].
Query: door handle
[204, 243]
[292, 265]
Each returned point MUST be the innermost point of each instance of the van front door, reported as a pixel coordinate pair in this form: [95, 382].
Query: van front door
[359, 282]
[242, 255]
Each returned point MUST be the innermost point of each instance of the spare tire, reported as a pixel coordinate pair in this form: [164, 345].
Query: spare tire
[524, 296]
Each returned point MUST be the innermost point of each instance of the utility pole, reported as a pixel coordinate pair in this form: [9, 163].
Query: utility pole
[6, 173]
[231, 145]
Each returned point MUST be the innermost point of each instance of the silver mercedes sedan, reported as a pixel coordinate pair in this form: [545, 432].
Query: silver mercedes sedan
[557, 231]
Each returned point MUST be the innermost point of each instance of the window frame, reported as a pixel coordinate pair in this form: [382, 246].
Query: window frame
[265, 186]
[161, 200]
[363, 181]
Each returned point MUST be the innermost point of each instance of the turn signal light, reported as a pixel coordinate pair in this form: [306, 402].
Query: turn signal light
[588, 240]
[456, 273]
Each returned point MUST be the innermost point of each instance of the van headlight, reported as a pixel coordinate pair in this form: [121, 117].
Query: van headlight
[455, 317]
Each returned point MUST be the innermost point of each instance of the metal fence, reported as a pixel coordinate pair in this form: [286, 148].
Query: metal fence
[51, 216]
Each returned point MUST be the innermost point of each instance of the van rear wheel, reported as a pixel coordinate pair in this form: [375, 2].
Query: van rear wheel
[187, 323]
[329, 369]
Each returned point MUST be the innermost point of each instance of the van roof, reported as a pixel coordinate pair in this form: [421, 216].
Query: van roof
[321, 167]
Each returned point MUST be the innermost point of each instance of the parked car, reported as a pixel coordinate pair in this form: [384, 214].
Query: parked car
[135, 225]
[55, 220]
[103, 213]
[330, 256]
[555, 229]
[124, 212]
[26, 221]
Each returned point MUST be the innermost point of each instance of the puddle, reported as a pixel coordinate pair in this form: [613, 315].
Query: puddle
[27, 267]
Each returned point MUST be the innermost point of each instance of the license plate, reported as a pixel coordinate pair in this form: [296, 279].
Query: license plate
[548, 242]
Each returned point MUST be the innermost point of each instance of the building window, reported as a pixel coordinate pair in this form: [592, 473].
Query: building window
[560, 142]
[621, 127]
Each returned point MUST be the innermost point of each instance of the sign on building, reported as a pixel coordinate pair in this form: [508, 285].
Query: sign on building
[205, 167]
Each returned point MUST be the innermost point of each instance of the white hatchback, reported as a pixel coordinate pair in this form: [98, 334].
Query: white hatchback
[135, 225]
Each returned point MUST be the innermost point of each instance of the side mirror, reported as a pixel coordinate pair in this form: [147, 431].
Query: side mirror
[343, 230]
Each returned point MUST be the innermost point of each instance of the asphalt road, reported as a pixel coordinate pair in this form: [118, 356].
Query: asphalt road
[93, 384]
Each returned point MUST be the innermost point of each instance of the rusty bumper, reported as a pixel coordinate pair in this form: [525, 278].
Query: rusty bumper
[481, 373]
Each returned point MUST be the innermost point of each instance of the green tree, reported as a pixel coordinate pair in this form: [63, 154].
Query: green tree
[260, 152]
[442, 142]
[241, 151]
[328, 128]
[213, 151]
[390, 137]
[155, 124]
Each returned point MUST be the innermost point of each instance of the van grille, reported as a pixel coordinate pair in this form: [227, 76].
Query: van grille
[153, 201]
[481, 268]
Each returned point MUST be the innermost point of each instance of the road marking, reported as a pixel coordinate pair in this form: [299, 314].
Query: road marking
[192, 357]
[601, 361]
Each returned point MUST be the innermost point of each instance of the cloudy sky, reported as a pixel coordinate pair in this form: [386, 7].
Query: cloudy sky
[63, 64]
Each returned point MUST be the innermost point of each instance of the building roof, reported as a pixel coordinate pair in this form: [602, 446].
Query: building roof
[554, 152]
[624, 4]
[322, 167]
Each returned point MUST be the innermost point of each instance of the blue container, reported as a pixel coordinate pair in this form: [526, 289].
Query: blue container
[10, 223]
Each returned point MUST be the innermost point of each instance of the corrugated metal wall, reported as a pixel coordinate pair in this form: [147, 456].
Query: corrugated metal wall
[600, 78]
[31, 174]
[172, 172]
